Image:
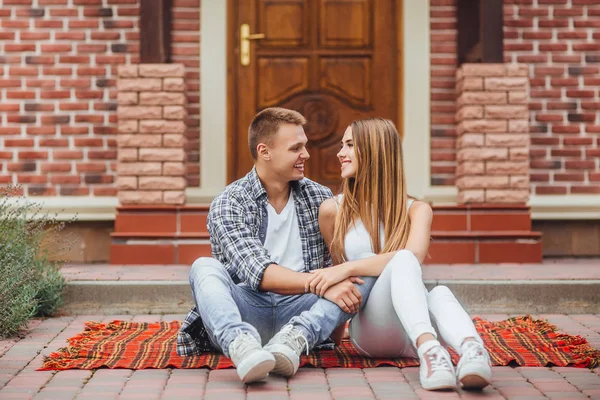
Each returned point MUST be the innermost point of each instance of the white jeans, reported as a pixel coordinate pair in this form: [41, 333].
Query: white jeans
[398, 311]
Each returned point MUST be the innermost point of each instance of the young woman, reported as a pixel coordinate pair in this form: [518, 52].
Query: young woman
[374, 218]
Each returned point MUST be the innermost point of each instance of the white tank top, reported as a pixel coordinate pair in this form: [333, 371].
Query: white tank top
[357, 242]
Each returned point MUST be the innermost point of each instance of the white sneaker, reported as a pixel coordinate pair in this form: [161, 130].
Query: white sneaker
[474, 370]
[436, 370]
[252, 362]
[287, 346]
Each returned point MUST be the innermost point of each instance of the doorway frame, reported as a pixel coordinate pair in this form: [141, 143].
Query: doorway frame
[414, 99]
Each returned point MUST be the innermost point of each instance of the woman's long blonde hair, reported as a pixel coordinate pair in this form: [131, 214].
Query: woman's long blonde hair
[378, 192]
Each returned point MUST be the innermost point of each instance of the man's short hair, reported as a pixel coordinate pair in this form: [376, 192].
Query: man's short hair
[266, 123]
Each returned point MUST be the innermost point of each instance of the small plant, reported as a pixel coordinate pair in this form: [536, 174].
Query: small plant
[30, 280]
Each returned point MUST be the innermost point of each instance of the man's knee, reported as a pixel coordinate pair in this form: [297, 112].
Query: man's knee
[365, 287]
[205, 266]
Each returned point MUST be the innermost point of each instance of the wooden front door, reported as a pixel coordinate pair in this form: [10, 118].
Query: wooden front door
[334, 61]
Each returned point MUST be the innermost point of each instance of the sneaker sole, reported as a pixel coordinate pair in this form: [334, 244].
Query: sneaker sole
[284, 360]
[283, 365]
[443, 383]
[259, 373]
[256, 369]
[474, 381]
[443, 386]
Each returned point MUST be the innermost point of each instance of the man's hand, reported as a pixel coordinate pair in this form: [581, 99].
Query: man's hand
[322, 279]
[345, 295]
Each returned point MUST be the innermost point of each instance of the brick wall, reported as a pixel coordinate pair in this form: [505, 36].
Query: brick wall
[443, 91]
[58, 69]
[559, 39]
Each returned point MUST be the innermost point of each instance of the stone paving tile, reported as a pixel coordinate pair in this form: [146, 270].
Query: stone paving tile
[64, 385]
[6, 344]
[21, 381]
[105, 383]
[186, 384]
[16, 359]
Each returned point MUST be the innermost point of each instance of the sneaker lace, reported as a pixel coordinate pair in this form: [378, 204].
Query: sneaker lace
[295, 338]
[474, 352]
[438, 359]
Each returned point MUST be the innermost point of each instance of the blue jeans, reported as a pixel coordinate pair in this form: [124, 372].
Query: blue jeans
[227, 308]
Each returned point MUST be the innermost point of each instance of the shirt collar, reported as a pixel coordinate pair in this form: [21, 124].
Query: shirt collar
[258, 190]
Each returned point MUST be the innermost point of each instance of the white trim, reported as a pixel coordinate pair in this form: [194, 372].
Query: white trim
[213, 103]
[80, 208]
[567, 207]
[416, 97]
[213, 108]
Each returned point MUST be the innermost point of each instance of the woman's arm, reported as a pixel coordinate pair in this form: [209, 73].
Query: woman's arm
[419, 236]
[420, 215]
[327, 214]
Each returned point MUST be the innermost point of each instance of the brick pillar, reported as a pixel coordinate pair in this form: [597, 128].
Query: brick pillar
[493, 133]
[152, 125]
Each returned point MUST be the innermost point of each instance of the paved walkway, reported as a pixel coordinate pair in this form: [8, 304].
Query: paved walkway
[20, 359]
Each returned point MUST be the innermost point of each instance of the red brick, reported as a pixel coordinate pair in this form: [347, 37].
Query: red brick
[18, 143]
[64, 12]
[554, 189]
[585, 189]
[74, 191]
[78, 59]
[67, 154]
[572, 35]
[569, 177]
[91, 167]
[585, 165]
[73, 106]
[88, 24]
[34, 35]
[44, 130]
[565, 129]
[53, 142]
[9, 47]
[577, 141]
[57, 71]
[23, 71]
[65, 179]
[20, 95]
[41, 83]
[31, 178]
[91, 71]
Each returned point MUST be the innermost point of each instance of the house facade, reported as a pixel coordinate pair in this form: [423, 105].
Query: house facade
[133, 116]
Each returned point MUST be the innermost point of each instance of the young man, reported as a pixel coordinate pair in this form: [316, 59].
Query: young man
[265, 240]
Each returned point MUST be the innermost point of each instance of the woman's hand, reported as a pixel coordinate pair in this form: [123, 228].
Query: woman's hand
[323, 279]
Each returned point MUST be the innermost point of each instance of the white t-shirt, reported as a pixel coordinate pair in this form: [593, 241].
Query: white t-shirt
[357, 242]
[283, 236]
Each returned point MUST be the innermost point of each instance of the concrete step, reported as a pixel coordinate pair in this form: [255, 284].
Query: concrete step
[559, 287]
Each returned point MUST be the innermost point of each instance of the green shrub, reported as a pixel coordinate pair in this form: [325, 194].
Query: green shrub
[30, 280]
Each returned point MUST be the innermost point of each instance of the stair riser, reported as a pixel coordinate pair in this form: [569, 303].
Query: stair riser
[478, 297]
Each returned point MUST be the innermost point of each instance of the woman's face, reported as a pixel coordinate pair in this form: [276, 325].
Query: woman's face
[347, 156]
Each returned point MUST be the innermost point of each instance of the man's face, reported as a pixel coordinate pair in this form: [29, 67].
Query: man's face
[288, 152]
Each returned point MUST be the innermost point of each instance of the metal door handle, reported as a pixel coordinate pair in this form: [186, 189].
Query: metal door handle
[245, 38]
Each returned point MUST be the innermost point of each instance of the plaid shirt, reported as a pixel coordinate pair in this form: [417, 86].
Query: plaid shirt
[237, 224]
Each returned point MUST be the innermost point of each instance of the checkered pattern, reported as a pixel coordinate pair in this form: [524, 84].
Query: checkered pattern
[237, 223]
